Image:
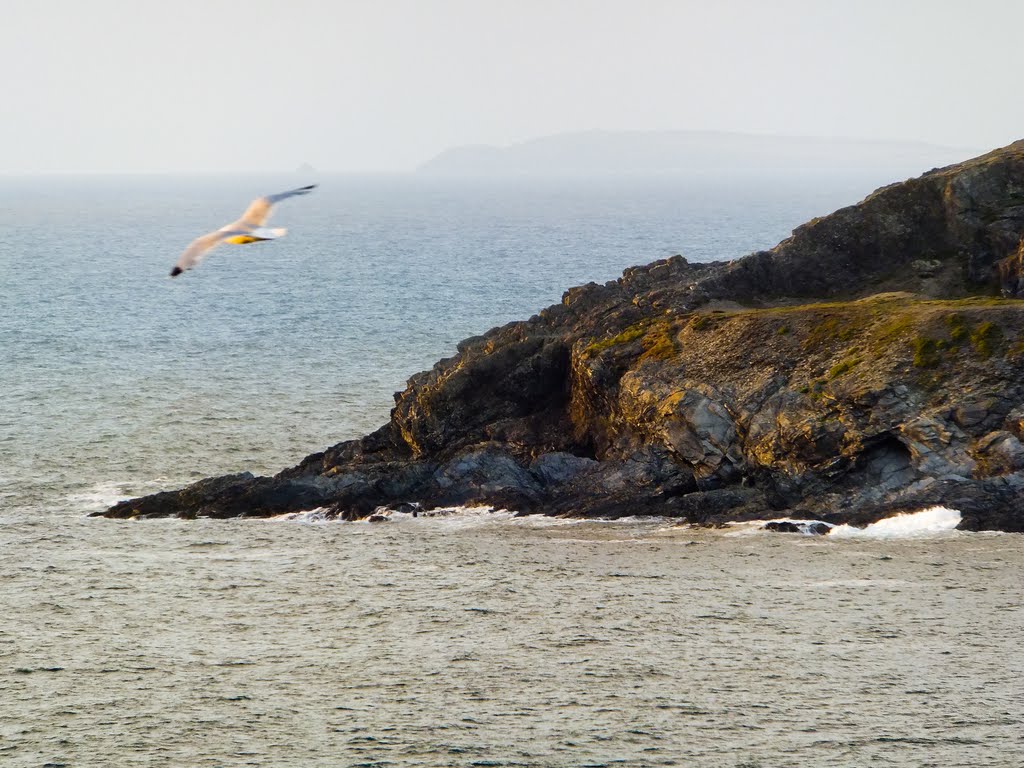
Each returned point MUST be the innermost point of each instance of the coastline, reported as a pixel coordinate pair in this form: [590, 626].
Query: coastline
[863, 367]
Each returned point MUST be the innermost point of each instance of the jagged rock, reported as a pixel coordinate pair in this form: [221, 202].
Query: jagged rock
[483, 475]
[999, 453]
[552, 469]
[691, 419]
[707, 392]
[937, 447]
[1011, 273]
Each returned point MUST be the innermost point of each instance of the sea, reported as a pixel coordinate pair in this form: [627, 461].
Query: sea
[473, 638]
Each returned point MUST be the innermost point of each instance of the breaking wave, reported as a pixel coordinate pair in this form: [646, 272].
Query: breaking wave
[318, 515]
[927, 523]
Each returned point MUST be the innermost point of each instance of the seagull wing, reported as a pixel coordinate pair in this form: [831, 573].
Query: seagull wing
[258, 212]
[198, 249]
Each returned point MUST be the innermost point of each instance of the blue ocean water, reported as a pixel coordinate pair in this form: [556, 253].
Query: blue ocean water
[119, 380]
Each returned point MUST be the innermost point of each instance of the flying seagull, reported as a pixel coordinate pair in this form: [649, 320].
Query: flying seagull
[248, 229]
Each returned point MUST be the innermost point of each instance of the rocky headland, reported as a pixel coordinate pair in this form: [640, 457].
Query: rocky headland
[871, 363]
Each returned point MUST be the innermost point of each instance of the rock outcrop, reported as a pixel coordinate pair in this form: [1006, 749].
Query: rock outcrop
[715, 392]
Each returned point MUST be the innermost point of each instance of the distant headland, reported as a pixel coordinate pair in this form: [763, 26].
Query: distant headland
[675, 152]
[870, 364]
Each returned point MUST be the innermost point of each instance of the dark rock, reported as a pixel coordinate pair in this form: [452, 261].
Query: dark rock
[708, 393]
[809, 528]
[1011, 273]
[782, 526]
[557, 468]
[406, 508]
[999, 453]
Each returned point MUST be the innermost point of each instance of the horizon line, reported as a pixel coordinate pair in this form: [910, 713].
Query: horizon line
[417, 166]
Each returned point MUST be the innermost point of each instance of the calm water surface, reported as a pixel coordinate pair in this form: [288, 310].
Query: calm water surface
[472, 640]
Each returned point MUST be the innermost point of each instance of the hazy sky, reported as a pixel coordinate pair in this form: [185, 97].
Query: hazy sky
[140, 85]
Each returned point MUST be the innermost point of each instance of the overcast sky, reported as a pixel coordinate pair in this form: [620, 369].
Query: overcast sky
[114, 85]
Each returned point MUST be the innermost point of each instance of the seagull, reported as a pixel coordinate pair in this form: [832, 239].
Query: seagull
[248, 229]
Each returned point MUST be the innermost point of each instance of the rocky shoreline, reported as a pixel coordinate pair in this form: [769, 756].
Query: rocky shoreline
[870, 364]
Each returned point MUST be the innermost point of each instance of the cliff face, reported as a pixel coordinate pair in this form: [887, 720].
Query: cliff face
[938, 235]
[714, 391]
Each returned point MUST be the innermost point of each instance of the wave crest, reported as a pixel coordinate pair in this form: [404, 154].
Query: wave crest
[911, 525]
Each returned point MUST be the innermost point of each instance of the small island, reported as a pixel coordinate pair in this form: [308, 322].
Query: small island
[870, 364]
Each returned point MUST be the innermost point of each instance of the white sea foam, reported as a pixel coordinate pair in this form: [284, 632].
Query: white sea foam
[754, 527]
[927, 523]
[468, 517]
[317, 515]
[934, 521]
[457, 516]
[924, 524]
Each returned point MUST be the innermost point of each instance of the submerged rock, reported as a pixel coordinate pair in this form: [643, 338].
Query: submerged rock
[869, 364]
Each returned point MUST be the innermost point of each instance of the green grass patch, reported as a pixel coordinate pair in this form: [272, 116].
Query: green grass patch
[660, 349]
[895, 328]
[926, 352]
[969, 303]
[842, 367]
[656, 337]
[986, 338]
[959, 330]
[632, 333]
[836, 327]
[659, 341]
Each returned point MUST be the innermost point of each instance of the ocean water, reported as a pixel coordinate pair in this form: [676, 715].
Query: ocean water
[488, 641]
[469, 640]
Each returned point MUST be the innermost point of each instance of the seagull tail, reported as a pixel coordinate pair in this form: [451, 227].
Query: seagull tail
[176, 271]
